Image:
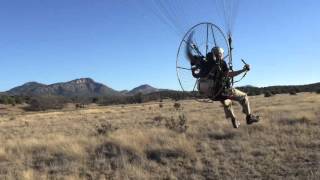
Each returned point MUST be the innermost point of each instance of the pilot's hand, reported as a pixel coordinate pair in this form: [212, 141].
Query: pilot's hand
[246, 67]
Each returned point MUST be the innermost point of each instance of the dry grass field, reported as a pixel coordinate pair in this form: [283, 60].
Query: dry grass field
[153, 141]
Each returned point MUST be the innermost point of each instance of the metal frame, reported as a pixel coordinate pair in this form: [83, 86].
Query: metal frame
[208, 24]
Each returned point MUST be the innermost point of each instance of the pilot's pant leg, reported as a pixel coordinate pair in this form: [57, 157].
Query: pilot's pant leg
[228, 110]
[242, 98]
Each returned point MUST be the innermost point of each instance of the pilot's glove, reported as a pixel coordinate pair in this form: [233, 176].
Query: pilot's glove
[246, 67]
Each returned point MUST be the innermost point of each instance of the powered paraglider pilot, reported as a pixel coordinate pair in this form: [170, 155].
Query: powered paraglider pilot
[214, 78]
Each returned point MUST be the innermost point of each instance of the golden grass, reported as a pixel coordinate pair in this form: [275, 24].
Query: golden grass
[144, 141]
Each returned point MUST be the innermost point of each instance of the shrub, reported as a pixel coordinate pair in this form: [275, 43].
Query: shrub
[177, 105]
[253, 93]
[104, 129]
[4, 100]
[18, 100]
[11, 101]
[293, 93]
[158, 119]
[46, 103]
[95, 100]
[178, 125]
[78, 105]
[268, 94]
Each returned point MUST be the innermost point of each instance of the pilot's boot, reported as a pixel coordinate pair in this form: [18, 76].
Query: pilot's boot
[252, 119]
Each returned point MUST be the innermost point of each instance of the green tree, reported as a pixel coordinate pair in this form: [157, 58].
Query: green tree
[268, 94]
[18, 99]
[11, 101]
[138, 98]
[95, 99]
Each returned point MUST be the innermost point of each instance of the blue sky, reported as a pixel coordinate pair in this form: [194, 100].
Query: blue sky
[123, 43]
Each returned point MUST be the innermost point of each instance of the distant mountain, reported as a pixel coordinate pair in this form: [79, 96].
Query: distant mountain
[144, 89]
[124, 91]
[77, 87]
[26, 89]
